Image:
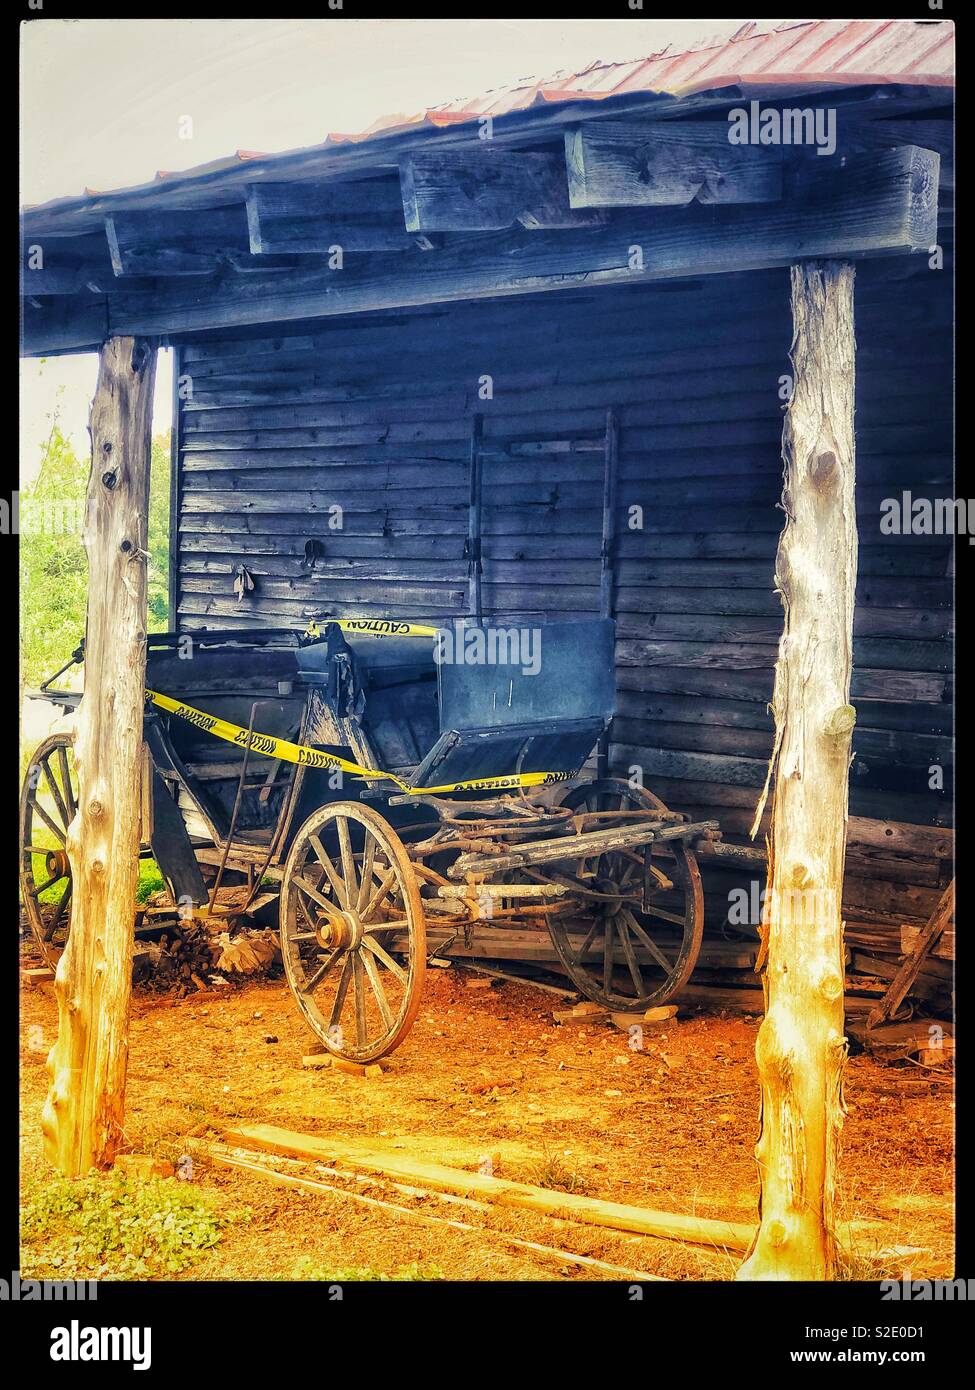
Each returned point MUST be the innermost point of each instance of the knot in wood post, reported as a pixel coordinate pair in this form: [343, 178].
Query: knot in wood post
[823, 470]
[839, 723]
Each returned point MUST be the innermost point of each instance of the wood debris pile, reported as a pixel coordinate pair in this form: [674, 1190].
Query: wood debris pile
[197, 954]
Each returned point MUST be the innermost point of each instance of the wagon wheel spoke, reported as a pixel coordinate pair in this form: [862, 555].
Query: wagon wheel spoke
[348, 864]
[54, 829]
[590, 938]
[338, 887]
[56, 919]
[302, 910]
[56, 793]
[341, 992]
[630, 956]
[373, 948]
[365, 877]
[361, 1026]
[330, 910]
[315, 980]
[43, 887]
[651, 945]
[372, 972]
[385, 884]
[652, 910]
[608, 954]
[627, 874]
[66, 780]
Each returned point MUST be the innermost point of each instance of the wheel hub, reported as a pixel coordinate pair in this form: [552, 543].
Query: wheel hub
[614, 901]
[56, 863]
[346, 934]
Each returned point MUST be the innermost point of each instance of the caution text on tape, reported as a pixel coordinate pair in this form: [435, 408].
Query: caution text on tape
[305, 756]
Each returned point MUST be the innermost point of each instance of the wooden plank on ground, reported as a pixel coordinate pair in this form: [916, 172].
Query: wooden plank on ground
[227, 1159]
[727, 1235]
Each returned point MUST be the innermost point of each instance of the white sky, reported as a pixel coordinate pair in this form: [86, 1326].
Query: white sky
[102, 103]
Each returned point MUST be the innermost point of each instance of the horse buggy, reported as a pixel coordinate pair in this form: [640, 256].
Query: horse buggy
[379, 784]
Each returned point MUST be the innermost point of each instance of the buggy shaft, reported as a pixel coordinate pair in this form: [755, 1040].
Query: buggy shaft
[575, 847]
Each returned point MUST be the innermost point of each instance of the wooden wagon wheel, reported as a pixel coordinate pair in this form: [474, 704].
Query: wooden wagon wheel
[48, 803]
[349, 888]
[651, 946]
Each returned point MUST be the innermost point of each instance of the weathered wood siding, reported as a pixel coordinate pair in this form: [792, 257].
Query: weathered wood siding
[373, 415]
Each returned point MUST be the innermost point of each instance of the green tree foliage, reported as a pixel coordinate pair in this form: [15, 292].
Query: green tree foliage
[53, 563]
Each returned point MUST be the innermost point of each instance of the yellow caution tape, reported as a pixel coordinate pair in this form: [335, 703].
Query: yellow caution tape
[304, 756]
[373, 627]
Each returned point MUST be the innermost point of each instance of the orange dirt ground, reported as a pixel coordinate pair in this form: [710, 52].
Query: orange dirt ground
[487, 1073]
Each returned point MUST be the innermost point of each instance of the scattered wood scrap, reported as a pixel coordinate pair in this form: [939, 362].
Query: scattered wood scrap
[908, 971]
[930, 1041]
[35, 975]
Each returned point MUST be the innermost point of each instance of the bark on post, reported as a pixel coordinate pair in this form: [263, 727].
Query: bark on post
[83, 1113]
[801, 1048]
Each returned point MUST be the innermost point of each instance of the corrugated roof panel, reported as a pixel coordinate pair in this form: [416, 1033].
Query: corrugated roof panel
[598, 80]
[761, 54]
[892, 51]
[818, 48]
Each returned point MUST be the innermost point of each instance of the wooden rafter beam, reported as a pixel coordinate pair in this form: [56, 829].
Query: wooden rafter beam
[487, 187]
[884, 204]
[667, 164]
[175, 243]
[310, 219]
[937, 135]
[65, 265]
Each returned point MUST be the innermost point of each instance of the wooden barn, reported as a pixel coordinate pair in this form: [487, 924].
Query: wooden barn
[528, 358]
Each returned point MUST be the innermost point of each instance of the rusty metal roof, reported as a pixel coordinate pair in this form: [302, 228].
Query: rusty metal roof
[794, 55]
[819, 52]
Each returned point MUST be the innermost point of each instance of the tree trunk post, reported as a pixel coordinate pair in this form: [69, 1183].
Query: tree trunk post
[83, 1113]
[801, 1048]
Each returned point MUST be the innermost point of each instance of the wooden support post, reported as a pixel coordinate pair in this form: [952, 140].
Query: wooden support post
[801, 1048]
[83, 1113]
